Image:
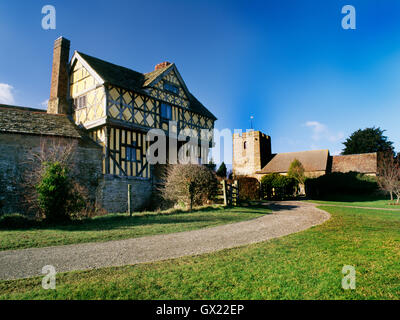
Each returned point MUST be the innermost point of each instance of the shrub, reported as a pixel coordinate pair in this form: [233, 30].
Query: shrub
[249, 188]
[276, 186]
[57, 197]
[189, 184]
[351, 183]
[16, 221]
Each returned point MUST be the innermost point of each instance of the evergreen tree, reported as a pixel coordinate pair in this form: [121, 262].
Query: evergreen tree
[366, 141]
[221, 172]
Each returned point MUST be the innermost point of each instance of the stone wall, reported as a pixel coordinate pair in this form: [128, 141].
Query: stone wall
[108, 191]
[366, 163]
[112, 193]
[15, 151]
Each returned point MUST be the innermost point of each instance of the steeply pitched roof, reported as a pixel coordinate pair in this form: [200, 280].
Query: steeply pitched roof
[314, 160]
[363, 163]
[15, 119]
[133, 80]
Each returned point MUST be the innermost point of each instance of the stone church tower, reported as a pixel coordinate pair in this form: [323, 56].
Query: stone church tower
[251, 152]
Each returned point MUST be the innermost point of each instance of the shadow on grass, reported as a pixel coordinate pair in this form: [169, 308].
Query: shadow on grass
[176, 216]
[279, 206]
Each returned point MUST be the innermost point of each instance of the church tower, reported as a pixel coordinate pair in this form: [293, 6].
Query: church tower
[251, 152]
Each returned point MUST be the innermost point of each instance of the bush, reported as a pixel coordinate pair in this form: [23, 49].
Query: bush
[351, 183]
[276, 186]
[249, 188]
[58, 198]
[189, 184]
[16, 221]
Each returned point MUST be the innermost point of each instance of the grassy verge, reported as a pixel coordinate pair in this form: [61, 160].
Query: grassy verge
[121, 226]
[360, 201]
[306, 265]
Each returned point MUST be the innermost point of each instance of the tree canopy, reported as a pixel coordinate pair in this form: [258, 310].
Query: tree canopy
[367, 140]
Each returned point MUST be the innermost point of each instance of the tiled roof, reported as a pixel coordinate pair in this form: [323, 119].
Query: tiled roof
[133, 80]
[314, 160]
[363, 163]
[15, 119]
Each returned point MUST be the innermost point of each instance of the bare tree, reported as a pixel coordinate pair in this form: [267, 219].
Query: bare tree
[389, 175]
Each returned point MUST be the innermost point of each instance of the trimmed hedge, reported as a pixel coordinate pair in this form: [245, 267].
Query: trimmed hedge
[276, 186]
[249, 188]
[351, 183]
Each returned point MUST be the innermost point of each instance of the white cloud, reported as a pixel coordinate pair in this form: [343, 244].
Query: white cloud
[43, 105]
[320, 132]
[6, 94]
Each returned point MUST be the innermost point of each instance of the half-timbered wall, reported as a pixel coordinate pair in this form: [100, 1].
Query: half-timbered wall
[126, 152]
[145, 111]
[88, 96]
[134, 108]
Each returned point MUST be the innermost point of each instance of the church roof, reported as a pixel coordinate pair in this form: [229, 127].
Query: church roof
[14, 119]
[314, 160]
[132, 80]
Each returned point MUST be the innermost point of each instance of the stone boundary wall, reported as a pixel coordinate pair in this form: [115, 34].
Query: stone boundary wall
[112, 193]
[366, 163]
[15, 151]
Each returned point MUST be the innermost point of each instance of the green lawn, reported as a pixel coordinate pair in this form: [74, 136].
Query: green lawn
[121, 226]
[361, 201]
[306, 265]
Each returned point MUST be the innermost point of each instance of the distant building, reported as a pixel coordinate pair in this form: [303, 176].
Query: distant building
[252, 156]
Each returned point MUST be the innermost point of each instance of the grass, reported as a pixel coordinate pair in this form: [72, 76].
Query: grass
[121, 226]
[306, 265]
[360, 201]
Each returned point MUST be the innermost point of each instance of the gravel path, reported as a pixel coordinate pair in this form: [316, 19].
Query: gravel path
[287, 217]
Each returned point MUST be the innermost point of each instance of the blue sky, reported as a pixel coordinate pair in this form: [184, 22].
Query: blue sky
[307, 82]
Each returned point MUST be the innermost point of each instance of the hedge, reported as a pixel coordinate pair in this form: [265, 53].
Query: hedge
[276, 186]
[249, 188]
[351, 183]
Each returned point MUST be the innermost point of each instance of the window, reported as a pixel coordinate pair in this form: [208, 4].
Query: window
[244, 145]
[131, 154]
[166, 111]
[80, 102]
[171, 88]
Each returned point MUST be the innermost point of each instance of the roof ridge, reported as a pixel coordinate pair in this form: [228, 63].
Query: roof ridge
[302, 151]
[21, 108]
[354, 154]
[119, 66]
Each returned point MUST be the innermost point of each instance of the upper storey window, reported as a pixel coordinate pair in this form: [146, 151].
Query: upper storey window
[171, 88]
[166, 111]
[80, 102]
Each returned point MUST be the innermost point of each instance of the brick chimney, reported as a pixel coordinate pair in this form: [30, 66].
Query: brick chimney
[162, 65]
[58, 103]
